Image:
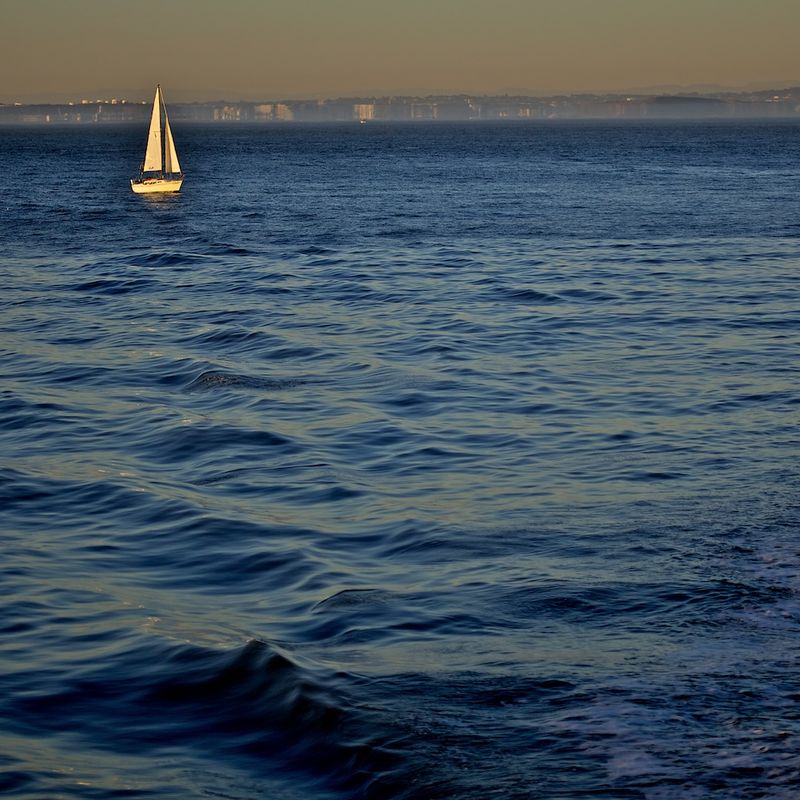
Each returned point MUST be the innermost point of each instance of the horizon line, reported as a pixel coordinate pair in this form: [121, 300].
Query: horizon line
[184, 96]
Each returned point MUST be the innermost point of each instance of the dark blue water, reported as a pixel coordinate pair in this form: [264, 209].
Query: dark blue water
[417, 462]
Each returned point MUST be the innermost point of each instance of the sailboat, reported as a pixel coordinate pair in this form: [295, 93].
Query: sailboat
[161, 170]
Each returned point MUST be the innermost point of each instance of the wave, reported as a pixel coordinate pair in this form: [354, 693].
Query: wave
[213, 380]
[254, 705]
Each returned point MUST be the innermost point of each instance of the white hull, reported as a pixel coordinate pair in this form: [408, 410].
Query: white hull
[151, 185]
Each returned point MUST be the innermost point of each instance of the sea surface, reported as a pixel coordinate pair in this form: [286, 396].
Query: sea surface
[401, 461]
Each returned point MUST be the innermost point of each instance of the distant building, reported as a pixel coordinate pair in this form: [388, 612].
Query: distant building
[424, 111]
[263, 111]
[364, 111]
[457, 108]
[228, 113]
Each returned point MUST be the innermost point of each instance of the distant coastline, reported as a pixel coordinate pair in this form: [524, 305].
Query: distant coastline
[758, 104]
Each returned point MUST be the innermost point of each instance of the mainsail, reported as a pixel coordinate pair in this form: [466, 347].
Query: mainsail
[152, 158]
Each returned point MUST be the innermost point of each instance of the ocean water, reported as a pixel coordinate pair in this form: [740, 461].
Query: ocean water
[384, 461]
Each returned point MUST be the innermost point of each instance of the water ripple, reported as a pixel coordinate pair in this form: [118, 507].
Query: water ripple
[410, 462]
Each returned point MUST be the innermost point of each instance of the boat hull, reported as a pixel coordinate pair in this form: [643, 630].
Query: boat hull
[156, 185]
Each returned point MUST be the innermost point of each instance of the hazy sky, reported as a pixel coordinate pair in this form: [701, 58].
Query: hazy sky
[262, 49]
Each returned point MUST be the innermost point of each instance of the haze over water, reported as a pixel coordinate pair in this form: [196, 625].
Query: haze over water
[434, 461]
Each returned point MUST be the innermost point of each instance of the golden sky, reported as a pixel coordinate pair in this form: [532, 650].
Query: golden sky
[269, 49]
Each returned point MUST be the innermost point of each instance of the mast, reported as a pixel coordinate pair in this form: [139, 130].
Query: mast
[153, 159]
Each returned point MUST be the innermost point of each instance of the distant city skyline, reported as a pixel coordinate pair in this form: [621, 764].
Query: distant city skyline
[55, 51]
[177, 94]
[768, 103]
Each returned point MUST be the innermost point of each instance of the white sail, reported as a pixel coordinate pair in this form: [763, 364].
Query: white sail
[171, 163]
[153, 161]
